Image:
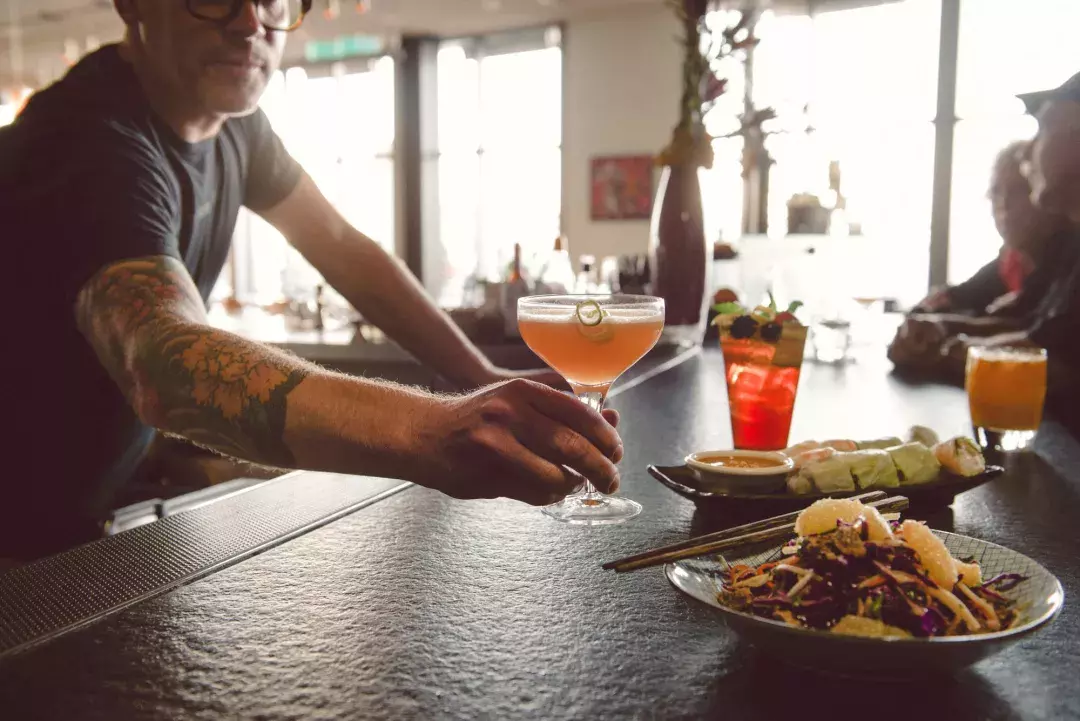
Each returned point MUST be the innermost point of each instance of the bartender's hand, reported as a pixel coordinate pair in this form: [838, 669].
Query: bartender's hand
[518, 439]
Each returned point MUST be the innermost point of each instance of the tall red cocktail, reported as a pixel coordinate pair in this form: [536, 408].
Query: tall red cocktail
[762, 363]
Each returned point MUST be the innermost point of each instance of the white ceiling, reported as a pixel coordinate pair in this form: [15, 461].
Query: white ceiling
[45, 25]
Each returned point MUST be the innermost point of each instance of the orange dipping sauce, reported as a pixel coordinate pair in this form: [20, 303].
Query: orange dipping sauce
[739, 462]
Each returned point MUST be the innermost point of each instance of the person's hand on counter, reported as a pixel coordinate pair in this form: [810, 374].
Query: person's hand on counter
[917, 344]
[519, 440]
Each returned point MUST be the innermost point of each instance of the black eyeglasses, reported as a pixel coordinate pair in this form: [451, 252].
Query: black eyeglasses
[281, 15]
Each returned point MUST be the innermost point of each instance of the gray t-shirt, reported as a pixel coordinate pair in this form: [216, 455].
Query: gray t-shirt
[90, 176]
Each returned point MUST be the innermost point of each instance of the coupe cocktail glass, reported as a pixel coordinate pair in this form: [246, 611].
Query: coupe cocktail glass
[591, 341]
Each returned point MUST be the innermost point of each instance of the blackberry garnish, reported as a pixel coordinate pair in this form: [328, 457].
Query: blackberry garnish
[743, 327]
[771, 332]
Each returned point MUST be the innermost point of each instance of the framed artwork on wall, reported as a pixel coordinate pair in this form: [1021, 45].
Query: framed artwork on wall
[621, 187]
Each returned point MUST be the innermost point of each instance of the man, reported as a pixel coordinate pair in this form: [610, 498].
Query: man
[1053, 170]
[1002, 296]
[1025, 230]
[120, 188]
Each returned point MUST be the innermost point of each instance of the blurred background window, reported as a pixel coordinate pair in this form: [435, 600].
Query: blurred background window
[857, 88]
[499, 157]
[1005, 49]
[12, 103]
[854, 90]
[338, 122]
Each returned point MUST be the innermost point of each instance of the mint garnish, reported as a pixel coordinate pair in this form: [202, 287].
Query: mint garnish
[728, 308]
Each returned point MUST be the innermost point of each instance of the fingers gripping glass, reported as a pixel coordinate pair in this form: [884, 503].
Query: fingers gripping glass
[281, 15]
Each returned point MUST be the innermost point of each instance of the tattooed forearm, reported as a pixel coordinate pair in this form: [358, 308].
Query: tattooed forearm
[146, 322]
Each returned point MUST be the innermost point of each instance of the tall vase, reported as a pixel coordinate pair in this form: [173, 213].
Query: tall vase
[678, 255]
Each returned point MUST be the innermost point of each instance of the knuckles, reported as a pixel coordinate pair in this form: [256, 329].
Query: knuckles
[571, 444]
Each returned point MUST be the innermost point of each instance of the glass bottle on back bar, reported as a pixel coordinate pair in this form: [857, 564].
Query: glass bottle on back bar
[557, 277]
[515, 288]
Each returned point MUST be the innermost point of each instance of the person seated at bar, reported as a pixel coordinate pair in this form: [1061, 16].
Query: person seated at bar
[1053, 170]
[120, 186]
[1025, 231]
[1002, 295]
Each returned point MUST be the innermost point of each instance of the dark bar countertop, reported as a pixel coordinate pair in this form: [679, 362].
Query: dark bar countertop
[333, 597]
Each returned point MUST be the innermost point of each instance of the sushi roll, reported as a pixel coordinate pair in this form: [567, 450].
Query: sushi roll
[800, 448]
[844, 446]
[813, 456]
[829, 476]
[924, 435]
[961, 456]
[879, 443]
[872, 468]
[915, 463]
[799, 484]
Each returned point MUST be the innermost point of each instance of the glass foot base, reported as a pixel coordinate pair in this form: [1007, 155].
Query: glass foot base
[999, 441]
[593, 510]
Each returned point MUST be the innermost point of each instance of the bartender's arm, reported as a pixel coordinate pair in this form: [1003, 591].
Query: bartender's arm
[145, 320]
[383, 290]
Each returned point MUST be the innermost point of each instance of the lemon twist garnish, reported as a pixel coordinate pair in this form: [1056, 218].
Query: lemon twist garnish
[589, 313]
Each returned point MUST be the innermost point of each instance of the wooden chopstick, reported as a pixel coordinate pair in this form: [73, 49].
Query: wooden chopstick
[745, 528]
[657, 557]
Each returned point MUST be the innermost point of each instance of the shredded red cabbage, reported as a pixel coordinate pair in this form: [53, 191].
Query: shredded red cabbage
[932, 623]
[841, 561]
[1004, 581]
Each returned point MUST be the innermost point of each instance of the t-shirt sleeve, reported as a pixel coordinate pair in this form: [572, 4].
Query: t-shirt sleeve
[110, 199]
[272, 173]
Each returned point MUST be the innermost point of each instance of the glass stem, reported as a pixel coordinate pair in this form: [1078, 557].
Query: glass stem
[595, 400]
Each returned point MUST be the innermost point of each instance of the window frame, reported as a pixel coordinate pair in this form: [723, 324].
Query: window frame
[479, 47]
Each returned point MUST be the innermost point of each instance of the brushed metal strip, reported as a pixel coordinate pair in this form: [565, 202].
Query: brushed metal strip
[56, 595]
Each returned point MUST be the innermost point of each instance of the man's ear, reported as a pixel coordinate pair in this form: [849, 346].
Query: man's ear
[128, 10]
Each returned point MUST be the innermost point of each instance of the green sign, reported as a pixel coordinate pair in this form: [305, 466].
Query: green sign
[344, 46]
